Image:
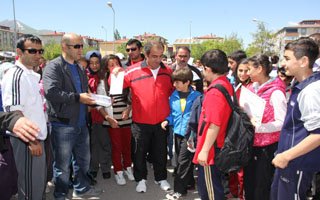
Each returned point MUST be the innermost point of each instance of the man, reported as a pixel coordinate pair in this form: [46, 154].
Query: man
[182, 57]
[214, 119]
[151, 86]
[134, 48]
[21, 92]
[316, 38]
[299, 145]
[65, 86]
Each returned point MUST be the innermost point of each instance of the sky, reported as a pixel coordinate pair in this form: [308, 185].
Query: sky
[171, 19]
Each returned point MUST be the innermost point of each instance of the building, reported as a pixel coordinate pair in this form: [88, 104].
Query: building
[106, 47]
[195, 40]
[56, 37]
[7, 39]
[290, 33]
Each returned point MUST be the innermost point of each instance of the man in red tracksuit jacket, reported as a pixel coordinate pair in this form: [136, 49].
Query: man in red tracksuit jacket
[151, 86]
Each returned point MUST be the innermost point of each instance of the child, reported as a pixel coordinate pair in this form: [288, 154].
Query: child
[299, 145]
[213, 120]
[180, 109]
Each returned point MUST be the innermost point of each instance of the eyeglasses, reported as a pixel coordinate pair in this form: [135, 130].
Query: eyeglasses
[75, 46]
[34, 51]
[132, 49]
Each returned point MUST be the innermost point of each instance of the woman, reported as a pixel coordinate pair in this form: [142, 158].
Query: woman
[258, 174]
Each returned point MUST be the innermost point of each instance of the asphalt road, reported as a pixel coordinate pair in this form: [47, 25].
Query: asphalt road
[112, 191]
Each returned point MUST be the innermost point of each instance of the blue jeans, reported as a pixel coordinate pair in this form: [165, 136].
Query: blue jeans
[70, 144]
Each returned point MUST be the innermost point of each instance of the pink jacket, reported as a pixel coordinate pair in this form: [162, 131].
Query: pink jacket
[264, 139]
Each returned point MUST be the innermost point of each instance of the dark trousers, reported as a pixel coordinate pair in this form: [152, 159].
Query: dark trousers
[149, 138]
[290, 184]
[259, 173]
[184, 176]
[209, 183]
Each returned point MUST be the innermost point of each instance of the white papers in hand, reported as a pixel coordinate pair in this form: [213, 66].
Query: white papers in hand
[102, 100]
[252, 104]
[116, 83]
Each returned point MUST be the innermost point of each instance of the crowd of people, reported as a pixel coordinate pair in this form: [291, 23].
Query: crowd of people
[59, 132]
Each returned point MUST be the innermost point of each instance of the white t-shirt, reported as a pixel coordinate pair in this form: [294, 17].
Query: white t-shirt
[21, 91]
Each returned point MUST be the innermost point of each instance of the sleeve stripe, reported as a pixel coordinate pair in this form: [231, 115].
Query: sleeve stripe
[16, 86]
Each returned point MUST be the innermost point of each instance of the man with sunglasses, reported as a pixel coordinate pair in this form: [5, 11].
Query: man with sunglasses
[134, 48]
[21, 92]
[65, 85]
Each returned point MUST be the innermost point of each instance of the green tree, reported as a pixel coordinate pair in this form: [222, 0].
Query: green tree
[51, 50]
[117, 35]
[263, 41]
[228, 45]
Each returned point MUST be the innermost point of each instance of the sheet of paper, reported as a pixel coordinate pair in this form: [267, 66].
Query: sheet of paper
[117, 83]
[252, 104]
[102, 100]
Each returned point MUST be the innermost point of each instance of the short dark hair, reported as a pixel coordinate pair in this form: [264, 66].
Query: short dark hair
[24, 38]
[134, 41]
[304, 46]
[216, 60]
[261, 60]
[238, 56]
[184, 48]
[148, 46]
[183, 74]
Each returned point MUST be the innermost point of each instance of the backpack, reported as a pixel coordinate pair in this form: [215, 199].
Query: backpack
[237, 148]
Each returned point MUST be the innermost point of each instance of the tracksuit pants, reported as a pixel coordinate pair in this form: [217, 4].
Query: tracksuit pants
[290, 184]
[149, 138]
[184, 169]
[121, 148]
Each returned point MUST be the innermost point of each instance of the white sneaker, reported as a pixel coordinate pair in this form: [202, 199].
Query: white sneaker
[129, 173]
[141, 187]
[120, 178]
[164, 185]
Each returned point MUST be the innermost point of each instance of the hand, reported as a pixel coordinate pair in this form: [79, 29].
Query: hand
[113, 123]
[86, 98]
[116, 70]
[280, 161]
[125, 114]
[35, 148]
[253, 121]
[164, 124]
[203, 158]
[25, 129]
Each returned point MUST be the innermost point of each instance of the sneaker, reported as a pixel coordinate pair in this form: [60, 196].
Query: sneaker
[47, 189]
[120, 178]
[141, 187]
[174, 196]
[92, 192]
[129, 173]
[164, 185]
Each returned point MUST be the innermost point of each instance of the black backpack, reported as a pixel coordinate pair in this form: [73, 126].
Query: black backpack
[237, 148]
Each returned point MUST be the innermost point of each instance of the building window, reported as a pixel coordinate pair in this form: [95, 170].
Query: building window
[303, 31]
[292, 30]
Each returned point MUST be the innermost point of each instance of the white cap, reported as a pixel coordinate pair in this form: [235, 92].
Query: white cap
[120, 55]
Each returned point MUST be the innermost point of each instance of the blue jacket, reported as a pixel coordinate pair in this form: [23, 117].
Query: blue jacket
[294, 131]
[177, 119]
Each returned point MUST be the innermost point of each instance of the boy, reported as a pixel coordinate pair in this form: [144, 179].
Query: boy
[180, 109]
[298, 149]
[214, 118]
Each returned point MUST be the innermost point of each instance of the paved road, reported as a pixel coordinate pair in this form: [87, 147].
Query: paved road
[112, 191]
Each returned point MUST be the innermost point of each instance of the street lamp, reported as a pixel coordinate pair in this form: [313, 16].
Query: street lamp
[105, 31]
[15, 26]
[114, 24]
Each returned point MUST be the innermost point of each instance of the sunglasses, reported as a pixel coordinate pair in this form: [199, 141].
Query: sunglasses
[75, 46]
[132, 49]
[34, 51]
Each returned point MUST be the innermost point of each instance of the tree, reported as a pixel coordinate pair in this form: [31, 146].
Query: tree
[262, 41]
[117, 35]
[228, 45]
[51, 50]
